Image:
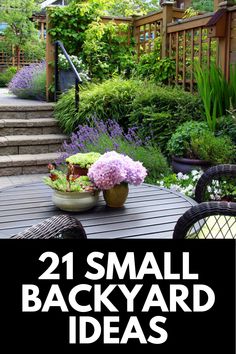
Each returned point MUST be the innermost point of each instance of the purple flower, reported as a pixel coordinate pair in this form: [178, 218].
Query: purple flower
[22, 83]
[113, 168]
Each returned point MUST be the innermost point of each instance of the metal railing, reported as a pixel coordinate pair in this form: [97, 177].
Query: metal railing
[73, 68]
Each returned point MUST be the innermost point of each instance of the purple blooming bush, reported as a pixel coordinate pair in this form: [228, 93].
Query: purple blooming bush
[113, 168]
[30, 82]
[102, 137]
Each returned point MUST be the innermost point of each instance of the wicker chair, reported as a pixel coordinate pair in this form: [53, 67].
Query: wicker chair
[213, 173]
[62, 226]
[209, 220]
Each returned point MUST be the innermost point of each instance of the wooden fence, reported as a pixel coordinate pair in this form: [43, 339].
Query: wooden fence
[187, 41]
[10, 58]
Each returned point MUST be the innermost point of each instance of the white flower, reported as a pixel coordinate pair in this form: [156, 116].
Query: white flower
[185, 177]
[180, 175]
[195, 172]
[196, 178]
[209, 189]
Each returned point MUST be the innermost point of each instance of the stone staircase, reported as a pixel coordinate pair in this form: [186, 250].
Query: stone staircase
[29, 139]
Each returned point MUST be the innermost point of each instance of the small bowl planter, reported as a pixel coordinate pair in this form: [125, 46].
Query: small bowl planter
[75, 201]
[185, 165]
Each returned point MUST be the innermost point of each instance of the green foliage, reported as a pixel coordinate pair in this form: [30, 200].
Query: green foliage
[125, 7]
[151, 67]
[227, 126]
[69, 23]
[190, 12]
[155, 110]
[193, 140]
[110, 99]
[7, 75]
[214, 92]
[203, 5]
[218, 95]
[180, 142]
[217, 150]
[83, 160]
[107, 50]
[59, 181]
[38, 89]
[34, 50]
[20, 30]
[159, 110]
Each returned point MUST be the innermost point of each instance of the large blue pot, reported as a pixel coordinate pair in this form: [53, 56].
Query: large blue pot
[66, 80]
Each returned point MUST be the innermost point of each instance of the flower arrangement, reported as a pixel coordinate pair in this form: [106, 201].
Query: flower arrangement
[112, 169]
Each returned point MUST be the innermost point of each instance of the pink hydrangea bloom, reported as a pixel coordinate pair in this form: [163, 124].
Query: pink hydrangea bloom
[113, 168]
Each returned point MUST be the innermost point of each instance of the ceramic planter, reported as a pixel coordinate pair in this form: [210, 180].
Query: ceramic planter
[180, 164]
[75, 201]
[116, 196]
[66, 79]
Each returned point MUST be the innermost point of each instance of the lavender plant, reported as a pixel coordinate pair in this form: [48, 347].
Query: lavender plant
[30, 82]
[101, 137]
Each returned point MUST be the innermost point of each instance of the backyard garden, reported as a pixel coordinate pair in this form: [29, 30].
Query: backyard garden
[134, 107]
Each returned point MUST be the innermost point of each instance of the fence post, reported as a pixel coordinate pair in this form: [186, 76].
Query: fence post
[49, 60]
[167, 7]
[224, 43]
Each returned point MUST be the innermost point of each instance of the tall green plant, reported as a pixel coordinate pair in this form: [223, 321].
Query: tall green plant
[214, 92]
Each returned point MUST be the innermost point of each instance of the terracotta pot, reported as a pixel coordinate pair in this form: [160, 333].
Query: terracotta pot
[184, 165]
[79, 171]
[116, 196]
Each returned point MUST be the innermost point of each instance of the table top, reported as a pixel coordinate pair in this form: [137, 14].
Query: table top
[149, 212]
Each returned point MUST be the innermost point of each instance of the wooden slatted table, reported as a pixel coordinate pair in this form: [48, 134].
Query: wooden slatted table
[149, 212]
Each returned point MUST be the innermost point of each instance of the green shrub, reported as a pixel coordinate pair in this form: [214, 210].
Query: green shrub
[217, 150]
[7, 75]
[195, 140]
[39, 86]
[153, 68]
[155, 110]
[227, 126]
[180, 142]
[111, 99]
[161, 110]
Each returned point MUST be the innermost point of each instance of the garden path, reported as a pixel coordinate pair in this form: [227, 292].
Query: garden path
[29, 136]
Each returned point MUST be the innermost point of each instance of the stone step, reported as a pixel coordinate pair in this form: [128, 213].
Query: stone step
[27, 112]
[33, 144]
[28, 126]
[13, 165]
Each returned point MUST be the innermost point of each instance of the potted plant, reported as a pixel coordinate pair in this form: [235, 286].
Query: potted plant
[66, 74]
[81, 162]
[193, 146]
[71, 193]
[112, 173]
